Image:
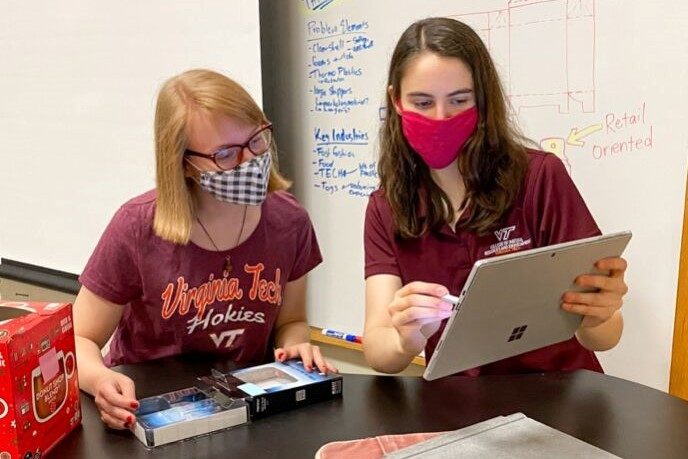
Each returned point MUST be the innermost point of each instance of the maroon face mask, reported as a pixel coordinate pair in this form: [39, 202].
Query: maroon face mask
[439, 142]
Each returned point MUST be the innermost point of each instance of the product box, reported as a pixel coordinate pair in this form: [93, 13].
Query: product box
[39, 392]
[220, 401]
[185, 414]
[275, 387]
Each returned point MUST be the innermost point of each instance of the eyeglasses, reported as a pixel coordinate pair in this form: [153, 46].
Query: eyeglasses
[229, 156]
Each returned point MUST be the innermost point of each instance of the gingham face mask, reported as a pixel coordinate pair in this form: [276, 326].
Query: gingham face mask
[245, 184]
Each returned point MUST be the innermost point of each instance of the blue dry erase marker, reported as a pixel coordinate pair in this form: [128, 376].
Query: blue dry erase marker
[341, 335]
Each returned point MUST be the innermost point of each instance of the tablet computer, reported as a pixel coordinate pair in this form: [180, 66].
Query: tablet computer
[510, 304]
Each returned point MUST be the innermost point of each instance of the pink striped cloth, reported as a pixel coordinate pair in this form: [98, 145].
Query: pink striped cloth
[373, 447]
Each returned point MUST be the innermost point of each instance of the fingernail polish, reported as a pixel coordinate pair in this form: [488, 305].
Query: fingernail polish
[129, 420]
[134, 405]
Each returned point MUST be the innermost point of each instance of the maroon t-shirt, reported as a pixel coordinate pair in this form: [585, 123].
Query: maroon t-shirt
[548, 210]
[177, 299]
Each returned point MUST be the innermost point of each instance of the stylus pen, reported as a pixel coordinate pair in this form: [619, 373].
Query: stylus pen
[451, 299]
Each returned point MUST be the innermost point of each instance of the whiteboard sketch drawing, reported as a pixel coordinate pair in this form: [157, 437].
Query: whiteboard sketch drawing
[559, 35]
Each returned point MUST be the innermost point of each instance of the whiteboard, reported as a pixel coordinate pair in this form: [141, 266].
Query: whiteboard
[600, 83]
[80, 80]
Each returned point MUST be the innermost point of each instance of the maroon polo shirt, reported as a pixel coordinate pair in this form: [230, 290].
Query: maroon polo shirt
[548, 210]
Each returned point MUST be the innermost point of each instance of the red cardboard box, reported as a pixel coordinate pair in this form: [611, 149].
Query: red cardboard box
[39, 390]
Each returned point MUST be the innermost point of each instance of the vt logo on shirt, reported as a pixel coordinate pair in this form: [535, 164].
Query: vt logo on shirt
[504, 244]
[228, 336]
[503, 234]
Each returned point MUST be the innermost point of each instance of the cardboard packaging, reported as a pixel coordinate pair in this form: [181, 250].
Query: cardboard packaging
[275, 387]
[39, 390]
[221, 401]
[184, 414]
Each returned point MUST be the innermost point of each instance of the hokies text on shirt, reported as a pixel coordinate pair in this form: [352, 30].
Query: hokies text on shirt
[230, 315]
[178, 297]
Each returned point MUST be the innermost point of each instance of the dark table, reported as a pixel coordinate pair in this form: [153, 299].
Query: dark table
[624, 418]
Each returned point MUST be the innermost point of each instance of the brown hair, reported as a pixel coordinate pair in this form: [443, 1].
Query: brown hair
[179, 97]
[494, 159]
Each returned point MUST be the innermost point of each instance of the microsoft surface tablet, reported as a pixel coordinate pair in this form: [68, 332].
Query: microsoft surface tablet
[510, 304]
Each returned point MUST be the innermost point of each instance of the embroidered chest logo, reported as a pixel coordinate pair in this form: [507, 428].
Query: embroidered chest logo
[504, 244]
[503, 234]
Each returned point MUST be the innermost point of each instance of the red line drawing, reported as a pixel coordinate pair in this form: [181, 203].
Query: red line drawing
[560, 34]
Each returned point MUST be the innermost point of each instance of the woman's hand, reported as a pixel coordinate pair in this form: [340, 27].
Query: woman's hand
[115, 398]
[599, 306]
[417, 310]
[308, 354]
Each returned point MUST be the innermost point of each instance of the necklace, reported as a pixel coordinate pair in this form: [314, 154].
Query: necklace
[228, 259]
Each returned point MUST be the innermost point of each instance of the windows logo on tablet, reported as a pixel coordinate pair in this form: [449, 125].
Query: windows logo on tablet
[517, 333]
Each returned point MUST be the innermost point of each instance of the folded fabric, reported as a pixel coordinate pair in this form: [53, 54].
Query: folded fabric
[372, 447]
[514, 436]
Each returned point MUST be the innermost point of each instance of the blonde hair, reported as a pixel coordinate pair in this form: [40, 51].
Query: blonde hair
[179, 97]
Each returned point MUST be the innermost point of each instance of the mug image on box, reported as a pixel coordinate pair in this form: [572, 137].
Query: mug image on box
[39, 391]
[49, 396]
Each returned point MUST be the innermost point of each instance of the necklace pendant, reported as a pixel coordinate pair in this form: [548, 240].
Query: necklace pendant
[228, 264]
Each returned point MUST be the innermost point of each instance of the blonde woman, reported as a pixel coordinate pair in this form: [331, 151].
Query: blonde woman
[213, 260]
